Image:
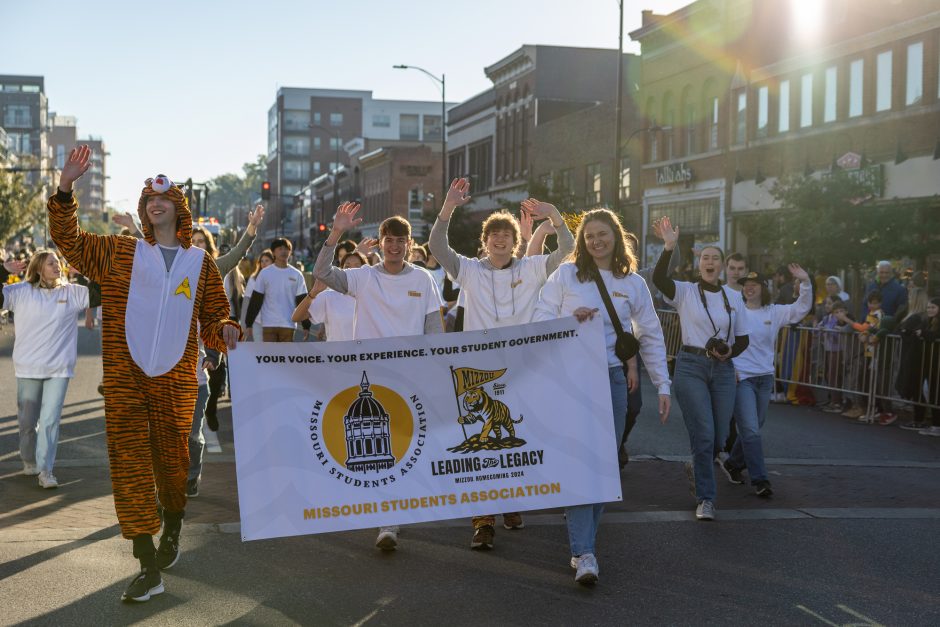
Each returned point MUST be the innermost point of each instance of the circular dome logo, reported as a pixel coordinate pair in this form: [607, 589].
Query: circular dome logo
[367, 430]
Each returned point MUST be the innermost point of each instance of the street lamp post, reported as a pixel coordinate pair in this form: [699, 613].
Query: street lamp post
[443, 84]
[618, 169]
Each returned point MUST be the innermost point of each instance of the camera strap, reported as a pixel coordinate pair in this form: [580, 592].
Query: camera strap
[724, 296]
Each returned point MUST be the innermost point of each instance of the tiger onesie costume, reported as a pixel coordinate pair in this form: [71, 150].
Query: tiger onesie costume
[149, 351]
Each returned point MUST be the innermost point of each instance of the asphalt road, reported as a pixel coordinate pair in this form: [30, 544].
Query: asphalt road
[850, 538]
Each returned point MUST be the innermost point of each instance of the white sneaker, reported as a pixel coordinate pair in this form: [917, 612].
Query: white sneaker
[587, 569]
[705, 511]
[387, 540]
[30, 470]
[934, 431]
[47, 480]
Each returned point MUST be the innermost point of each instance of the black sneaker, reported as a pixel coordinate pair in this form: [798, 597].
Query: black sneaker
[192, 487]
[212, 421]
[764, 490]
[733, 474]
[144, 586]
[168, 553]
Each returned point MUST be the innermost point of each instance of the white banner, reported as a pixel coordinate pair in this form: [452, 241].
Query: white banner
[333, 436]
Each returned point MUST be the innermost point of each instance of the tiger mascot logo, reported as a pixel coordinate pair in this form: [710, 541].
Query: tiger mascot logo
[494, 414]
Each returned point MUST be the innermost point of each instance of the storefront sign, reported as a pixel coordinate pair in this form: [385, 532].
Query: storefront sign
[674, 174]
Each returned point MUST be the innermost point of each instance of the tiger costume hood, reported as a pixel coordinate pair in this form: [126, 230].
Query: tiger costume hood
[161, 184]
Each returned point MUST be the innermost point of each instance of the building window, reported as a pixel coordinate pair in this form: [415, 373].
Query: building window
[316, 118]
[915, 74]
[763, 114]
[654, 143]
[335, 166]
[296, 120]
[316, 143]
[30, 89]
[624, 178]
[18, 143]
[592, 185]
[783, 109]
[668, 121]
[272, 131]
[713, 124]
[336, 143]
[740, 118]
[566, 182]
[480, 168]
[316, 167]
[806, 101]
[336, 119]
[299, 146]
[883, 81]
[455, 167]
[60, 156]
[17, 116]
[415, 202]
[856, 87]
[431, 128]
[296, 170]
[380, 120]
[691, 123]
[408, 126]
[829, 102]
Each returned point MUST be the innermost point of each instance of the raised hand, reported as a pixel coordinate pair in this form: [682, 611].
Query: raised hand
[668, 234]
[367, 245]
[78, 163]
[457, 195]
[125, 220]
[525, 225]
[799, 273]
[345, 218]
[255, 217]
[14, 267]
[537, 209]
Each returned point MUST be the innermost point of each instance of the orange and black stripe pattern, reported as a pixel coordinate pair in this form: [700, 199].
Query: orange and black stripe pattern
[148, 419]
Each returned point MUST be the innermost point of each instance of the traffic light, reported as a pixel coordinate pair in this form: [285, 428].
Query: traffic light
[321, 227]
[266, 190]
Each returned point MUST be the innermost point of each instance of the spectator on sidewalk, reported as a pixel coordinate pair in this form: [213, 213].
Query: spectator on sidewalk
[45, 349]
[913, 329]
[892, 292]
[868, 338]
[931, 381]
[834, 338]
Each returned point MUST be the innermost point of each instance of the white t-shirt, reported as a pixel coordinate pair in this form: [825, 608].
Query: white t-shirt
[46, 327]
[391, 305]
[762, 326]
[336, 311]
[563, 293]
[693, 319]
[281, 287]
[500, 298]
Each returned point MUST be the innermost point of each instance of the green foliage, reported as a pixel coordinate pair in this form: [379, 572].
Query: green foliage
[836, 222]
[21, 205]
[237, 190]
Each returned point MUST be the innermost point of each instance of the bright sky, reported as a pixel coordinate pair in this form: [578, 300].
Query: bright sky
[183, 87]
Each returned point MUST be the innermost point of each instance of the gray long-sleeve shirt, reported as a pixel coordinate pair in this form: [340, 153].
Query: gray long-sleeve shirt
[229, 260]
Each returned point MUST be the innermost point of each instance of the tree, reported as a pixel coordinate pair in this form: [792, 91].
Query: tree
[21, 205]
[837, 222]
[236, 190]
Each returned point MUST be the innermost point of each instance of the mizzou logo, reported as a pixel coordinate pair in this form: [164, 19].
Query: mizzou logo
[478, 406]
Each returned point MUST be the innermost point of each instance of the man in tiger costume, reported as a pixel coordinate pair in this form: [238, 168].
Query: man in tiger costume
[154, 291]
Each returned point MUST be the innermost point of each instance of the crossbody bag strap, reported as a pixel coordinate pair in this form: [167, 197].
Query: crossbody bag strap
[614, 318]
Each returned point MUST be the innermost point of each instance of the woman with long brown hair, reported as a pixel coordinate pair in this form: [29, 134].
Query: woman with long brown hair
[45, 306]
[600, 277]
[265, 259]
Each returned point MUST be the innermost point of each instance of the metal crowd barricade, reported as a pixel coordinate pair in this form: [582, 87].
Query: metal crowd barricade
[846, 364]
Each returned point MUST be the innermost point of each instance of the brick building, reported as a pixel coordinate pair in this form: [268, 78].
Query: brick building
[549, 119]
[747, 96]
[24, 111]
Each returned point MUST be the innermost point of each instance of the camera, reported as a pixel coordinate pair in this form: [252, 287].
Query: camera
[717, 345]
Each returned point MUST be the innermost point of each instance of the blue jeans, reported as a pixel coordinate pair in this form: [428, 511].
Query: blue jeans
[197, 441]
[584, 519]
[750, 411]
[705, 390]
[38, 411]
